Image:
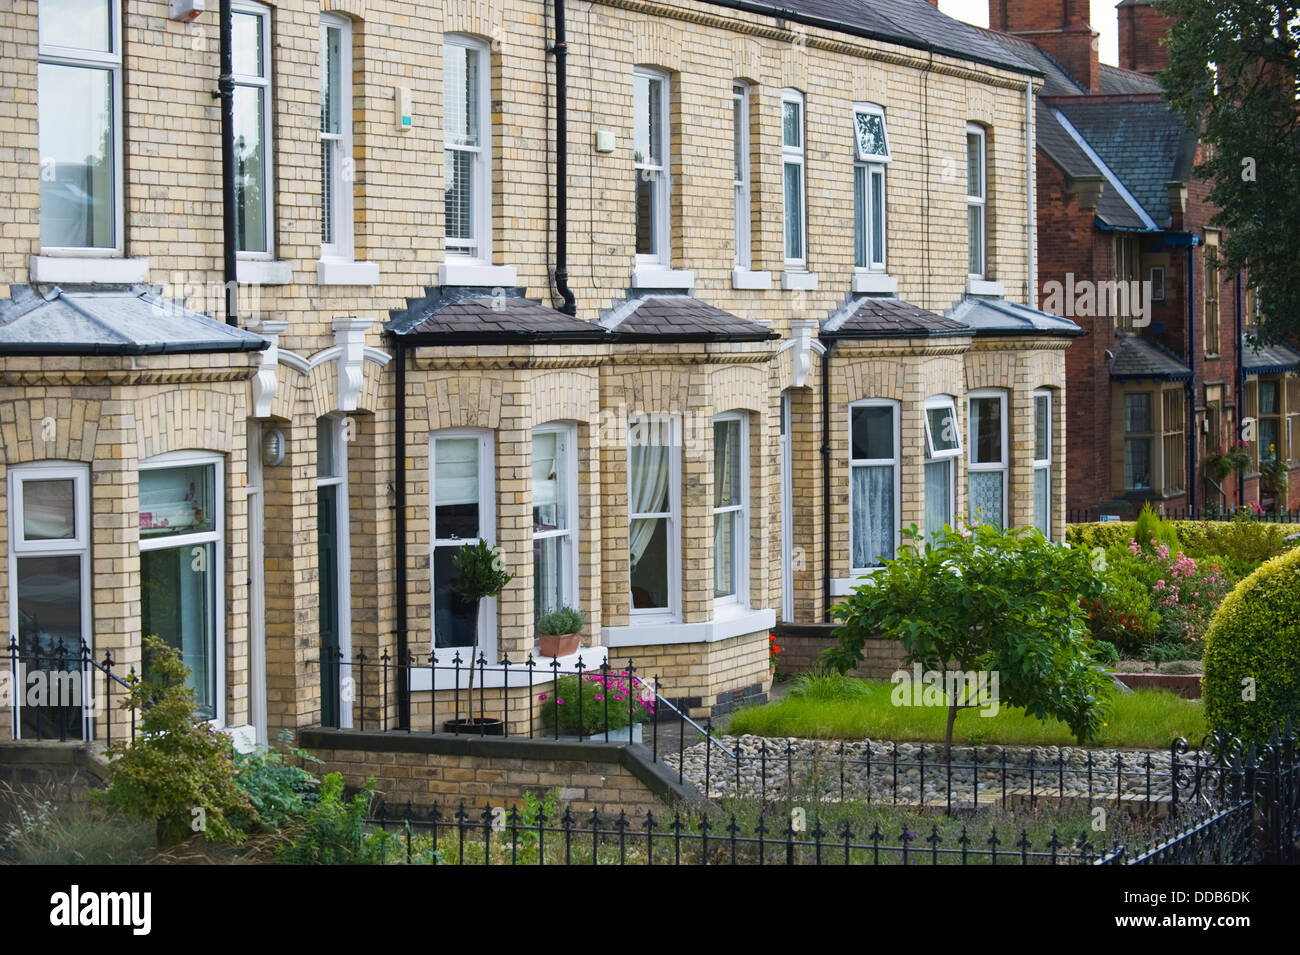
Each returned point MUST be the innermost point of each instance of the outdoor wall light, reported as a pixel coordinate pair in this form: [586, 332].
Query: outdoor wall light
[272, 447]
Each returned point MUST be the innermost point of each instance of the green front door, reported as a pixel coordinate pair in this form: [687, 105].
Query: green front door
[327, 549]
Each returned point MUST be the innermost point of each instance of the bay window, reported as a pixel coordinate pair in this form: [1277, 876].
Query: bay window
[79, 116]
[461, 494]
[874, 441]
[730, 509]
[794, 189]
[555, 510]
[1043, 462]
[987, 467]
[942, 447]
[650, 158]
[254, 117]
[871, 154]
[976, 200]
[49, 574]
[181, 552]
[654, 515]
[467, 145]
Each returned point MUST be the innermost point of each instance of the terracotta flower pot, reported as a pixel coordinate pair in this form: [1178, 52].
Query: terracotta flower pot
[558, 645]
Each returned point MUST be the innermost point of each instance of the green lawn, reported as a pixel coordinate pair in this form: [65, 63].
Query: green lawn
[834, 708]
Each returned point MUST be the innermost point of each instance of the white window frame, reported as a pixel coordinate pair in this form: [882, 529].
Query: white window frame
[741, 185]
[795, 155]
[941, 402]
[338, 425]
[738, 600]
[265, 83]
[569, 433]
[478, 250]
[660, 172]
[487, 616]
[895, 462]
[343, 248]
[76, 546]
[1044, 464]
[673, 612]
[978, 200]
[216, 537]
[871, 167]
[111, 61]
[1001, 466]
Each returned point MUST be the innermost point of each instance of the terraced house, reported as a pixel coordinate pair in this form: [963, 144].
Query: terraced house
[693, 373]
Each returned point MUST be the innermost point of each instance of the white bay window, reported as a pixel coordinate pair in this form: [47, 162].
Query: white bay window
[873, 482]
[654, 516]
[555, 509]
[730, 510]
[987, 466]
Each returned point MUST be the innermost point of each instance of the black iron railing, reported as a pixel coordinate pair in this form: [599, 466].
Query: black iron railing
[62, 692]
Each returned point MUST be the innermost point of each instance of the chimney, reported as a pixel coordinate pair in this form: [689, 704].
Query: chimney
[1141, 30]
[1060, 27]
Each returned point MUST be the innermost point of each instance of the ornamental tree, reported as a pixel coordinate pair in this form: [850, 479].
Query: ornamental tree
[1004, 602]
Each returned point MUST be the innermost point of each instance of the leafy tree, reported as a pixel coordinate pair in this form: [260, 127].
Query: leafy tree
[1232, 74]
[179, 772]
[985, 599]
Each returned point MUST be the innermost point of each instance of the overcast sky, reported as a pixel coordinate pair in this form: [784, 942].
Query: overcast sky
[1103, 21]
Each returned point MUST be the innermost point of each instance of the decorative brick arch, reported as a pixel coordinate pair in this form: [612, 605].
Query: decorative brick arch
[876, 378]
[991, 369]
[182, 419]
[481, 18]
[654, 44]
[739, 388]
[53, 429]
[565, 396]
[746, 59]
[356, 9]
[465, 402]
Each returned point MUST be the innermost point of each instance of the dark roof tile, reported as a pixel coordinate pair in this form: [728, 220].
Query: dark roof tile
[1138, 358]
[669, 317]
[871, 317]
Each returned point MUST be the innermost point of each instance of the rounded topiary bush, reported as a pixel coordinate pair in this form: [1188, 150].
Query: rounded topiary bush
[1255, 636]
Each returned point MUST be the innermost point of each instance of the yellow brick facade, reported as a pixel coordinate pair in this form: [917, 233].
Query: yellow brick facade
[113, 413]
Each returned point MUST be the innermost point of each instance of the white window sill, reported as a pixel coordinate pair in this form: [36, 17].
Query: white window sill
[244, 738]
[875, 282]
[86, 270]
[467, 273]
[985, 288]
[662, 634]
[656, 276]
[494, 675]
[748, 279]
[799, 281]
[843, 586]
[340, 272]
[263, 272]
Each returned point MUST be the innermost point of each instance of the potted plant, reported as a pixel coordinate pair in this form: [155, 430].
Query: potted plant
[480, 573]
[585, 706]
[558, 632]
[1219, 464]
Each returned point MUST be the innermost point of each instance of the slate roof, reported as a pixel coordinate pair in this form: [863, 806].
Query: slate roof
[470, 315]
[1258, 358]
[909, 23]
[1145, 144]
[997, 316]
[670, 318]
[1139, 358]
[1115, 80]
[124, 320]
[875, 317]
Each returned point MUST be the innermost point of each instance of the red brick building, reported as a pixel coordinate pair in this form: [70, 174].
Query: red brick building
[1163, 376]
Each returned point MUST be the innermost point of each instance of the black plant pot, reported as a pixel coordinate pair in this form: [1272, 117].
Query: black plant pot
[478, 726]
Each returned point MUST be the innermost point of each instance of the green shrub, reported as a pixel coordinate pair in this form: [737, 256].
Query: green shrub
[277, 789]
[335, 832]
[1252, 653]
[829, 685]
[1243, 542]
[179, 772]
[1105, 653]
[560, 622]
[599, 689]
[1151, 530]
[1122, 615]
[1167, 651]
[1103, 534]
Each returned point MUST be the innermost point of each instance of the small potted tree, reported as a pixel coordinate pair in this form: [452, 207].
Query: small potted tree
[481, 573]
[558, 632]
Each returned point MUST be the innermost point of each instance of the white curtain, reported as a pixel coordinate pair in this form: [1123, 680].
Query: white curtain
[647, 493]
[938, 496]
[873, 515]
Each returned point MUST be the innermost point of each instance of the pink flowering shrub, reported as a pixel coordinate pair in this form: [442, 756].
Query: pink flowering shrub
[601, 695]
[1183, 593]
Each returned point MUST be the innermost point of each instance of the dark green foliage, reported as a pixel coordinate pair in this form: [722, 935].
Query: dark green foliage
[279, 790]
[1105, 653]
[560, 622]
[480, 571]
[335, 831]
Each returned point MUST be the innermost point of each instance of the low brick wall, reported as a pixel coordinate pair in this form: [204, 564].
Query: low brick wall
[60, 773]
[802, 644]
[704, 679]
[428, 768]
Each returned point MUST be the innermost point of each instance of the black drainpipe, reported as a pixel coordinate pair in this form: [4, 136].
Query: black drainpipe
[1239, 389]
[1191, 384]
[399, 499]
[561, 51]
[226, 93]
[826, 478]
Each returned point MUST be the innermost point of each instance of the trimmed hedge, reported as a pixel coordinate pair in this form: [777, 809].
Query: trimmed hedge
[1255, 635]
[1255, 541]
